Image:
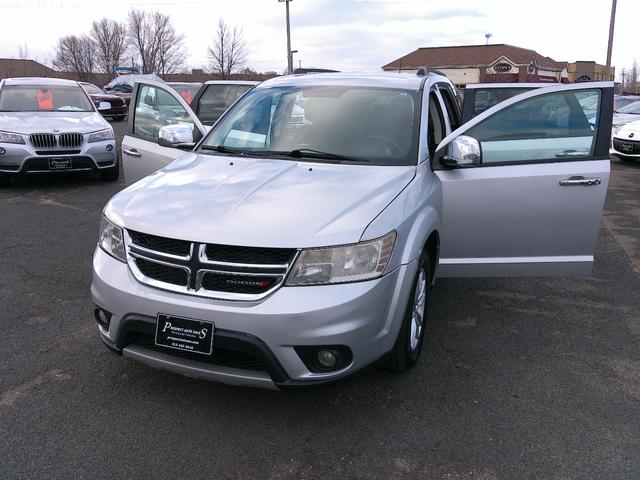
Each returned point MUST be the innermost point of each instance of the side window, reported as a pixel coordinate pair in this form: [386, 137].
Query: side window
[156, 108]
[436, 127]
[553, 126]
[216, 99]
[452, 108]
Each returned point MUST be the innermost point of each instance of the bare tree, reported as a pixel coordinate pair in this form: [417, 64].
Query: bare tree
[75, 54]
[160, 49]
[110, 43]
[171, 50]
[228, 52]
[23, 51]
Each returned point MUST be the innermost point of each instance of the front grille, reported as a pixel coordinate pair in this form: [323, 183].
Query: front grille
[211, 270]
[41, 164]
[43, 140]
[224, 282]
[220, 356]
[70, 140]
[50, 140]
[162, 273]
[161, 244]
[630, 147]
[250, 255]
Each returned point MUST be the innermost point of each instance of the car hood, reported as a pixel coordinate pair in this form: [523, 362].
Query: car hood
[36, 122]
[105, 98]
[630, 130]
[622, 118]
[259, 202]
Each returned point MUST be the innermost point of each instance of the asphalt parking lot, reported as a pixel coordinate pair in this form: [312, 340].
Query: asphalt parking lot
[521, 378]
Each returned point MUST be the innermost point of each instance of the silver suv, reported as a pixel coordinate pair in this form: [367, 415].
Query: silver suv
[51, 125]
[296, 244]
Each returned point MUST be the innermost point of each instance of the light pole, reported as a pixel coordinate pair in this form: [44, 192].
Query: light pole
[289, 54]
[612, 24]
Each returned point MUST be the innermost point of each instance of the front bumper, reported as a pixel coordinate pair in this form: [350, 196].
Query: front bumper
[22, 159]
[364, 316]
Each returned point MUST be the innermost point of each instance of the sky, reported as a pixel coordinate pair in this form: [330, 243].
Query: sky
[348, 35]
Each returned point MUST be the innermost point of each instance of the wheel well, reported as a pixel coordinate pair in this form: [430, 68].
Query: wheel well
[432, 247]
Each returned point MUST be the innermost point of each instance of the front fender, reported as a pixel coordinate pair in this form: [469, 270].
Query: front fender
[415, 213]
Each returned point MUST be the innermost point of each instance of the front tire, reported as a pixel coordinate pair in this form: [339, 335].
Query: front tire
[5, 181]
[111, 174]
[408, 346]
[626, 159]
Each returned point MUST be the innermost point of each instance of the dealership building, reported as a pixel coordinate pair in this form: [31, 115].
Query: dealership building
[499, 63]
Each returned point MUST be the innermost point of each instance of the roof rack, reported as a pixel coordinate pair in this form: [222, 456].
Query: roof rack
[424, 71]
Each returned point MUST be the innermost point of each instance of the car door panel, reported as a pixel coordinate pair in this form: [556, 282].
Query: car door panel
[534, 205]
[526, 224]
[153, 105]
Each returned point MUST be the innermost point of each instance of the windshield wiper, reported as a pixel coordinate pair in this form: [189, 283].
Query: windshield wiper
[223, 149]
[319, 154]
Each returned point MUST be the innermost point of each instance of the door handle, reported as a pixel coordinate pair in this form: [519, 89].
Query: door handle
[580, 180]
[131, 152]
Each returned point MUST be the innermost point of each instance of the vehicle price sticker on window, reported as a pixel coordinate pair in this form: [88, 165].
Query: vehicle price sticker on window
[184, 334]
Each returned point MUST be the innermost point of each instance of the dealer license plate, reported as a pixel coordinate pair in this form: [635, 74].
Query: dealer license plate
[59, 163]
[184, 334]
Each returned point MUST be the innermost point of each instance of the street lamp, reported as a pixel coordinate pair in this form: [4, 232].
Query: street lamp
[289, 54]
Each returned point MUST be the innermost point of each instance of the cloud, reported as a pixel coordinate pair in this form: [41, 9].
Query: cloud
[454, 13]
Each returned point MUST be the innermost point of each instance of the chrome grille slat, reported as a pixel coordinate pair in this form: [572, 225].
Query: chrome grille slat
[235, 281]
[43, 140]
[50, 140]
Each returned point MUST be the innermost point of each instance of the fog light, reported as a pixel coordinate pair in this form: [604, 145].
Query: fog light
[102, 317]
[109, 148]
[327, 358]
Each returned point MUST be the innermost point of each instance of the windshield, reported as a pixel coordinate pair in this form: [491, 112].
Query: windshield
[377, 125]
[186, 90]
[37, 98]
[216, 99]
[487, 98]
[633, 108]
[92, 89]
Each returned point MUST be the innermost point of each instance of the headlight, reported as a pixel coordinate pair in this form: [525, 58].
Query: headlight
[112, 240]
[615, 129]
[6, 137]
[101, 136]
[349, 263]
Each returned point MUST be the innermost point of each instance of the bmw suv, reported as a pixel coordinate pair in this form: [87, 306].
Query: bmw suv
[51, 125]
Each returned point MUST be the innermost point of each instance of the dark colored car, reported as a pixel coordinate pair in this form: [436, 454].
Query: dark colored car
[479, 97]
[121, 90]
[119, 108]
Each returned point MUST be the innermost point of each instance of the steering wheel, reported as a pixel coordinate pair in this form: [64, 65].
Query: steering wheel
[391, 147]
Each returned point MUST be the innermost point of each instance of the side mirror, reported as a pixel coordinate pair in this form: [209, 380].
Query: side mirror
[463, 151]
[176, 136]
[104, 106]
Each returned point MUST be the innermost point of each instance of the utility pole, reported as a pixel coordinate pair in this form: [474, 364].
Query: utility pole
[487, 36]
[612, 24]
[289, 54]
